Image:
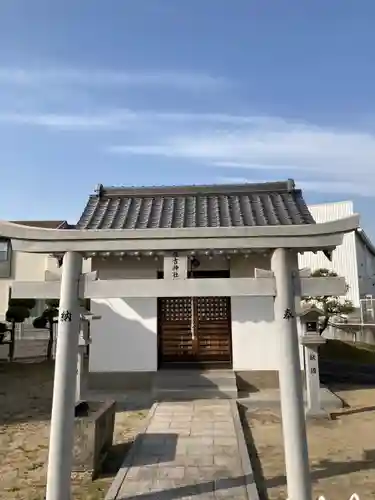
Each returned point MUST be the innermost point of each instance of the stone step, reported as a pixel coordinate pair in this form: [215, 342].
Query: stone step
[195, 384]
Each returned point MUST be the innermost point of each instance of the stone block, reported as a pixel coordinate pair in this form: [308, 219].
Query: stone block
[93, 437]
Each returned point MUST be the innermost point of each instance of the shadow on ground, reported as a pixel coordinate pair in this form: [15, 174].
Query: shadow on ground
[329, 468]
[115, 459]
[352, 411]
[259, 477]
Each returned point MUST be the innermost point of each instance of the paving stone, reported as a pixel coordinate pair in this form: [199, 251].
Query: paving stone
[161, 417]
[183, 433]
[223, 425]
[232, 493]
[233, 465]
[132, 473]
[199, 460]
[147, 473]
[199, 450]
[131, 487]
[166, 424]
[223, 433]
[166, 486]
[225, 441]
[171, 472]
[229, 450]
[202, 426]
[183, 417]
[195, 474]
[166, 415]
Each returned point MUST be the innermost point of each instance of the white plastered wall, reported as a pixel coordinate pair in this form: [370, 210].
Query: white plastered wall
[125, 339]
[255, 340]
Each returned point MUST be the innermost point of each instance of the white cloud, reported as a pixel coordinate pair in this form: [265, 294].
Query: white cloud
[317, 155]
[252, 166]
[320, 158]
[122, 118]
[110, 121]
[323, 186]
[181, 80]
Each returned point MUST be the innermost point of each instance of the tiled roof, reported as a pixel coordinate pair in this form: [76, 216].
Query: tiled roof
[273, 203]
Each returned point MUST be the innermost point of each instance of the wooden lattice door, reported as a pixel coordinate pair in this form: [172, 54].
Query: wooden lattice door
[213, 329]
[194, 329]
[175, 336]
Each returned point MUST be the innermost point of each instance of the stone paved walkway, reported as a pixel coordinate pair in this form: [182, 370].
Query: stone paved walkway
[189, 450]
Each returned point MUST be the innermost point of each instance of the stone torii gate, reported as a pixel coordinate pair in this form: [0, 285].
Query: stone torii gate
[283, 283]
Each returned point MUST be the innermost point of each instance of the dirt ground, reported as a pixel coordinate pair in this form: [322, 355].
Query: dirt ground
[342, 450]
[25, 405]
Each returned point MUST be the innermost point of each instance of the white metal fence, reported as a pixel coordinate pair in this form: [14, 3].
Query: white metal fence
[367, 308]
[359, 326]
[28, 332]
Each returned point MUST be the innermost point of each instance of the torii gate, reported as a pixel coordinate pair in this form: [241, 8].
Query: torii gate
[283, 282]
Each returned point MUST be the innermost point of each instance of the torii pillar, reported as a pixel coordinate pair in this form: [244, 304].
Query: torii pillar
[284, 265]
[62, 417]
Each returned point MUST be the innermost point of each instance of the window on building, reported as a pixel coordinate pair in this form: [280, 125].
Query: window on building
[4, 251]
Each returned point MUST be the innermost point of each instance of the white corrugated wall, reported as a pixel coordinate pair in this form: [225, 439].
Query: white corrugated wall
[344, 258]
[366, 269]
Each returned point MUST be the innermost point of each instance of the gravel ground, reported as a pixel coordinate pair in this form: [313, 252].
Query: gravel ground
[25, 405]
[341, 450]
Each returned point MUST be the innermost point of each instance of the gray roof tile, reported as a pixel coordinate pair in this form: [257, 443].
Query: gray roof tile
[273, 203]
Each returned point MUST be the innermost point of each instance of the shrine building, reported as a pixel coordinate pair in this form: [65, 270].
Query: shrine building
[189, 277]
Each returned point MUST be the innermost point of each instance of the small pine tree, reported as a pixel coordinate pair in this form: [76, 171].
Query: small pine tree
[47, 320]
[3, 331]
[18, 311]
[330, 305]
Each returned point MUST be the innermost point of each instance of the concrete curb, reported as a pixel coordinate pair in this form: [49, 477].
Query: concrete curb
[115, 487]
[251, 489]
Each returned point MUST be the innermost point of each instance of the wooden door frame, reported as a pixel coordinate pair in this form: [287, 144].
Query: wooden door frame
[195, 274]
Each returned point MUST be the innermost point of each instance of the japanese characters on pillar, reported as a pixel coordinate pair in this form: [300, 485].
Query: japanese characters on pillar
[65, 316]
[175, 266]
[312, 362]
[288, 314]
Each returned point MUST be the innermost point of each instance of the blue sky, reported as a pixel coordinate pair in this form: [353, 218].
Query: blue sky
[127, 92]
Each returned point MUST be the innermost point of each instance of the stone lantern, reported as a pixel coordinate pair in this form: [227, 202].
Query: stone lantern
[311, 340]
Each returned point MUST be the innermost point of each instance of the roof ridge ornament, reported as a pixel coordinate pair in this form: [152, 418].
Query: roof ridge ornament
[291, 185]
[99, 190]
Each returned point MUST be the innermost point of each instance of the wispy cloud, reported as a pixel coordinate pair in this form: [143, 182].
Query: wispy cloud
[328, 186]
[320, 158]
[76, 122]
[326, 159]
[176, 79]
[121, 118]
